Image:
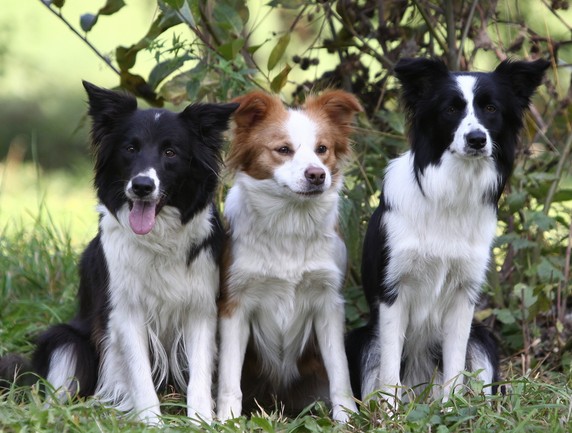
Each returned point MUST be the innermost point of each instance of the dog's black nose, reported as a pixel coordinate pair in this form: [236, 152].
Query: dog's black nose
[476, 139]
[315, 175]
[142, 186]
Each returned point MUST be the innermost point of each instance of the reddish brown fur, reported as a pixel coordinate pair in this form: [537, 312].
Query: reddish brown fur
[257, 132]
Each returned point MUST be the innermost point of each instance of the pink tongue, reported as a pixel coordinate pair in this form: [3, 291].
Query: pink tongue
[142, 217]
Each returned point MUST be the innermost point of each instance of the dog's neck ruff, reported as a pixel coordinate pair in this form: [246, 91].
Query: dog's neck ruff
[254, 206]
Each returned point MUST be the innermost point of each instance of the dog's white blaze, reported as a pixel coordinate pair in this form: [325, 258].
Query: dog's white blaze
[151, 173]
[302, 132]
[157, 117]
[470, 122]
[171, 313]
[62, 372]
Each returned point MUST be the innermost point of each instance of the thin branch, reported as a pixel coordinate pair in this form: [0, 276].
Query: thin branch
[466, 32]
[430, 26]
[562, 164]
[451, 52]
[557, 15]
[560, 294]
[58, 14]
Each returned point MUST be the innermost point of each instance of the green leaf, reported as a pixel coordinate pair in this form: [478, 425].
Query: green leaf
[87, 21]
[125, 57]
[505, 316]
[230, 16]
[547, 272]
[516, 200]
[254, 48]
[164, 69]
[539, 219]
[188, 15]
[263, 423]
[231, 49]
[280, 80]
[111, 6]
[562, 195]
[194, 85]
[526, 294]
[278, 51]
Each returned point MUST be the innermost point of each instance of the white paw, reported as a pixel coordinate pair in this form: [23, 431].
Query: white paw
[341, 411]
[198, 414]
[228, 408]
[150, 417]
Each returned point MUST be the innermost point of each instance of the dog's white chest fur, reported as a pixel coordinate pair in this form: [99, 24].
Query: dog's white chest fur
[439, 239]
[285, 268]
[151, 271]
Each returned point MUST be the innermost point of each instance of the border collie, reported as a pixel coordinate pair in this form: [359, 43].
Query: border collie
[149, 280]
[427, 247]
[281, 313]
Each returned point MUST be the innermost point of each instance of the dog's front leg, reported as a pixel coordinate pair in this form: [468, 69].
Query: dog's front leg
[329, 326]
[200, 345]
[393, 322]
[234, 333]
[132, 343]
[456, 331]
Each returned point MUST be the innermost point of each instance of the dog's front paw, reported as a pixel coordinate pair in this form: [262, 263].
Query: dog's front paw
[229, 407]
[342, 409]
[150, 417]
[198, 414]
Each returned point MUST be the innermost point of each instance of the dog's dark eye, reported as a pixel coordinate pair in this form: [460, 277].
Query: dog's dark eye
[131, 149]
[451, 109]
[169, 153]
[321, 149]
[491, 108]
[284, 150]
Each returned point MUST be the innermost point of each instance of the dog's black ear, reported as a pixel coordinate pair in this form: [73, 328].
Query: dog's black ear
[107, 105]
[210, 119]
[418, 78]
[522, 77]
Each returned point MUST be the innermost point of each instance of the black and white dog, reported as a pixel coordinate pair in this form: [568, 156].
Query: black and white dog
[427, 246]
[150, 279]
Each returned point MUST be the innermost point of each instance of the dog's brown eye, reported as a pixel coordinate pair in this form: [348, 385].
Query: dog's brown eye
[169, 153]
[284, 150]
[321, 149]
[491, 108]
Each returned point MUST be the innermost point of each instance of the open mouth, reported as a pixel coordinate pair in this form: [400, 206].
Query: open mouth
[143, 213]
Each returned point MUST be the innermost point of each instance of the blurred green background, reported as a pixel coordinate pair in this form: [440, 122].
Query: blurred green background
[44, 152]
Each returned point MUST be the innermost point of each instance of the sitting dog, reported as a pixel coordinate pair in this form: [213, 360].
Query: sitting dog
[427, 246]
[149, 280]
[281, 311]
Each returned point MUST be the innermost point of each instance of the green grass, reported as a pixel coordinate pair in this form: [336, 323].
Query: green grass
[38, 282]
[532, 405]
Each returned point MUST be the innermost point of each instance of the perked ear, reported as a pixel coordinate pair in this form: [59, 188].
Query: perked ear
[417, 77]
[523, 77]
[105, 105]
[211, 119]
[253, 108]
[339, 106]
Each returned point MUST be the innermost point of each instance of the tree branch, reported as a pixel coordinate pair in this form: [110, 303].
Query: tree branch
[58, 14]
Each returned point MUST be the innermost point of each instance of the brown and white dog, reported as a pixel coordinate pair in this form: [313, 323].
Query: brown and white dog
[282, 311]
